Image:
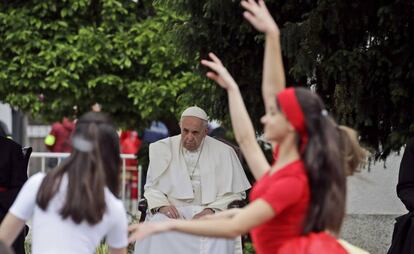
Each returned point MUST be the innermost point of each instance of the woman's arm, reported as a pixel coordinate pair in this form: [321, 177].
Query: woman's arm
[273, 80]
[10, 228]
[226, 214]
[280, 194]
[249, 217]
[242, 125]
[117, 251]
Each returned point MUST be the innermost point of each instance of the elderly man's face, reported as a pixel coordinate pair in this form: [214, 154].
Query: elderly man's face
[193, 131]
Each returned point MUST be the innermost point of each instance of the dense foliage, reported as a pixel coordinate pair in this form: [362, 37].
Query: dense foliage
[59, 54]
[357, 54]
[139, 59]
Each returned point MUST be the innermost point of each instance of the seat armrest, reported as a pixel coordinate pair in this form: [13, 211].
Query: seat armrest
[143, 207]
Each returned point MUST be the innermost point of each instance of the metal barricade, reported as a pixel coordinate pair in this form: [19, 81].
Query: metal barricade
[60, 156]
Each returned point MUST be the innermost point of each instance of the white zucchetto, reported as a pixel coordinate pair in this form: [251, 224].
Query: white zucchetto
[196, 112]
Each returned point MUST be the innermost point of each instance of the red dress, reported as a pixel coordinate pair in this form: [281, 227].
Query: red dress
[287, 192]
[313, 243]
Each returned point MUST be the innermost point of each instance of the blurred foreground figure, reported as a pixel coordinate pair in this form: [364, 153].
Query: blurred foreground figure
[13, 174]
[74, 207]
[403, 235]
[297, 204]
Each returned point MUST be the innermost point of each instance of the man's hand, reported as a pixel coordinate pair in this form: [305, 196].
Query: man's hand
[170, 211]
[207, 211]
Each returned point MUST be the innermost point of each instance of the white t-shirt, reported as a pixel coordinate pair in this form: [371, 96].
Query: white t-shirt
[53, 234]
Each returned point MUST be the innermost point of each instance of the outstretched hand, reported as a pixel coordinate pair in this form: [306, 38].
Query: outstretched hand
[258, 15]
[142, 230]
[218, 72]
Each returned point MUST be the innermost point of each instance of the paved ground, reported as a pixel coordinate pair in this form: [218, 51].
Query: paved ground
[370, 232]
[374, 191]
[372, 206]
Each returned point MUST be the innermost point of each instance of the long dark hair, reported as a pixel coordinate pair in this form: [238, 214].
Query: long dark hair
[354, 155]
[3, 130]
[324, 165]
[93, 164]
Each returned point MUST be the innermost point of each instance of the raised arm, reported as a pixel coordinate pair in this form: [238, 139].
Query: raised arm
[273, 80]
[242, 125]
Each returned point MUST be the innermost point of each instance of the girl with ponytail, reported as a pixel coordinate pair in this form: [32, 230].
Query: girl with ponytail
[298, 202]
[74, 206]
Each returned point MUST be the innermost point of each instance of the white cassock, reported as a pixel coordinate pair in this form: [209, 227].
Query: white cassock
[210, 177]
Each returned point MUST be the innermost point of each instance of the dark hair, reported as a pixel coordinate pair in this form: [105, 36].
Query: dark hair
[3, 130]
[354, 155]
[93, 164]
[324, 165]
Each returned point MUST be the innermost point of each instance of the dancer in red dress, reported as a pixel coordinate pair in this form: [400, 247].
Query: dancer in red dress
[300, 198]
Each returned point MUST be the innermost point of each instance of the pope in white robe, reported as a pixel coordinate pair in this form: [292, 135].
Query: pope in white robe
[191, 175]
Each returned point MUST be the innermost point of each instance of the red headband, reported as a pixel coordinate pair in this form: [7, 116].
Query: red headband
[290, 107]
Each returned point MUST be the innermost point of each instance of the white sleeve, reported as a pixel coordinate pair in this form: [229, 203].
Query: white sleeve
[117, 236]
[25, 202]
[155, 198]
[222, 202]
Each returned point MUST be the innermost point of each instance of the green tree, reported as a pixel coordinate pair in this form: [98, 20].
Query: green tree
[139, 60]
[59, 54]
[357, 54]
